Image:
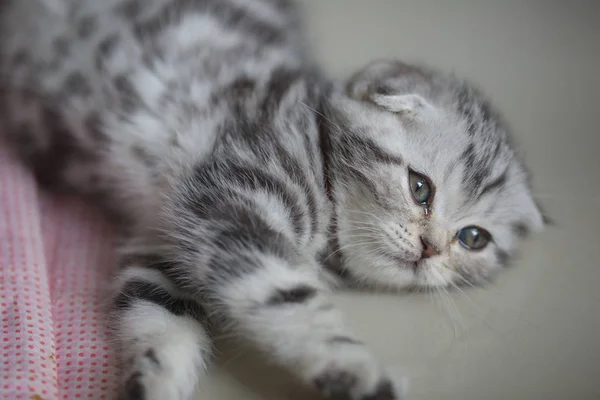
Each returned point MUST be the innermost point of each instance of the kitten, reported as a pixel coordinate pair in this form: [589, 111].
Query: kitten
[246, 185]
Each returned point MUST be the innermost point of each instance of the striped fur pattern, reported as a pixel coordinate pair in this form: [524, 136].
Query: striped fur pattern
[247, 187]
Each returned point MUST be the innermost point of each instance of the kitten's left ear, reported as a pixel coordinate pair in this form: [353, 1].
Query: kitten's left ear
[391, 85]
[400, 103]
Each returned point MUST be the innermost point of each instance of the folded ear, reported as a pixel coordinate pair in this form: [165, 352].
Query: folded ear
[392, 85]
[400, 103]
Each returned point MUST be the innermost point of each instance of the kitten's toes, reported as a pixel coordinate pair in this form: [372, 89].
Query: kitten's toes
[149, 377]
[355, 375]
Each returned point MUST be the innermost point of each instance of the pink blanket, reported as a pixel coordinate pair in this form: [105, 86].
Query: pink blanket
[55, 263]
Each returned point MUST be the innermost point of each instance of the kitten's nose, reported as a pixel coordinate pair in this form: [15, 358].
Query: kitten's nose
[428, 249]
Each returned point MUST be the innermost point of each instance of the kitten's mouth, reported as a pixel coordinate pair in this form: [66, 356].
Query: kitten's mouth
[403, 263]
[415, 266]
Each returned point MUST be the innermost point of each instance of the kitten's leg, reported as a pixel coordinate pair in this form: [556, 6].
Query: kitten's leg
[262, 286]
[163, 345]
[285, 309]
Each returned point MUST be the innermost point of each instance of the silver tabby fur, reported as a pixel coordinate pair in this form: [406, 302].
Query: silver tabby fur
[246, 186]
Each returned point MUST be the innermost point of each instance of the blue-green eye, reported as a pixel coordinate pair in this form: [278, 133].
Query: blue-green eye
[473, 237]
[420, 187]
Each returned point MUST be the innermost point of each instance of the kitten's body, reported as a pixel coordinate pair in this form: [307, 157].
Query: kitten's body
[197, 121]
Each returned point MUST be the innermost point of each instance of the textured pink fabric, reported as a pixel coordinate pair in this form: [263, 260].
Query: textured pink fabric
[56, 259]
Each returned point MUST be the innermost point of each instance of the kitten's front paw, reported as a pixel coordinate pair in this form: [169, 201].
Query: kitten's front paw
[341, 384]
[149, 378]
[354, 375]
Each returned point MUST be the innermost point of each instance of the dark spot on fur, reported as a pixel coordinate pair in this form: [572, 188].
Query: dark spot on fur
[145, 260]
[174, 140]
[63, 148]
[502, 256]
[130, 9]
[336, 383]
[129, 97]
[76, 84]
[134, 389]
[25, 139]
[171, 270]
[344, 339]
[384, 90]
[297, 294]
[93, 124]
[520, 229]
[61, 46]
[136, 290]
[143, 155]
[384, 391]
[21, 58]
[86, 26]
[326, 307]
[151, 354]
[282, 79]
[94, 180]
[106, 48]
[241, 87]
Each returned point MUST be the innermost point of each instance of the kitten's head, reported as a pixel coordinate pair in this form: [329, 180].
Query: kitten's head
[428, 189]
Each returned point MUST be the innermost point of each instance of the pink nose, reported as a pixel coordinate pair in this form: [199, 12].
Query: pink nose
[428, 249]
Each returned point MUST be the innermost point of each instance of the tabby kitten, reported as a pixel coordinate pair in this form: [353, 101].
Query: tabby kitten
[247, 187]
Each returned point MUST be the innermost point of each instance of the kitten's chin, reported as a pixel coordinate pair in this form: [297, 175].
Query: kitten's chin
[429, 276]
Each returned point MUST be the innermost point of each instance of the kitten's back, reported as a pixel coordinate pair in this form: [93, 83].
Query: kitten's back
[95, 94]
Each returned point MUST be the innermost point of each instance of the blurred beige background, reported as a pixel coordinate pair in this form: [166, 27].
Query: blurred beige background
[534, 334]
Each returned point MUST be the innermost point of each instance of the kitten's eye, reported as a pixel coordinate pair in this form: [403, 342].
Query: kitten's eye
[473, 237]
[420, 188]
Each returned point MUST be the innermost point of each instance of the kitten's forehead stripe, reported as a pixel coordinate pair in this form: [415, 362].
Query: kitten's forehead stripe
[476, 170]
[495, 185]
[357, 146]
[479, 160]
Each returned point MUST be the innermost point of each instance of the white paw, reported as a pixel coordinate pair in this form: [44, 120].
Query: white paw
[353, 374]
[148, 377]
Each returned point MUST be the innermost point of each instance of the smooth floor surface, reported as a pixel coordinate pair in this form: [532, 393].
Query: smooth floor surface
[534, 334]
